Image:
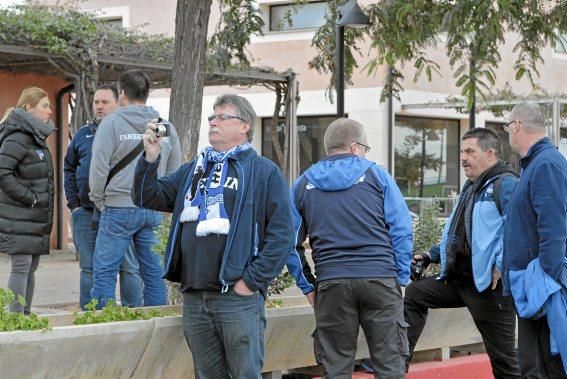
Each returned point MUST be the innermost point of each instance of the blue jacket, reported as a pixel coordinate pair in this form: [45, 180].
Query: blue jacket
[358, 223]
[537, 217]
[533, 290]
[261, 232]
[76, 167]
[486, 235]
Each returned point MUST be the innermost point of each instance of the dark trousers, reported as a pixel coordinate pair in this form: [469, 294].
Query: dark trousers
[341, 306]
[493, 315]
[536, 360]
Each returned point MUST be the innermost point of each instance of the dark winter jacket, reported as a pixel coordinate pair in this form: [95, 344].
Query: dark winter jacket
[536, 223]
[261, 232]
[26, 176]
[77, 165]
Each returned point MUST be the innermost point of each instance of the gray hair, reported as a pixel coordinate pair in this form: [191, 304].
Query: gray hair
[486, 139]
[530, 115]
[341, 133]
[243, 109]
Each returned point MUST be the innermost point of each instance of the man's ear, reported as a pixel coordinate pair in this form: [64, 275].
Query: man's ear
[245, 128]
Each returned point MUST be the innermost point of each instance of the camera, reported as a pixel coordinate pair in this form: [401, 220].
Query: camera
[159, 129]
[416, 270]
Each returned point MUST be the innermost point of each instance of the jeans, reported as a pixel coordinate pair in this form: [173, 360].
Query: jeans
[342, 306]
[22, 280]
[492, 313]
[84, 238]
[225, 333]
[118, 226]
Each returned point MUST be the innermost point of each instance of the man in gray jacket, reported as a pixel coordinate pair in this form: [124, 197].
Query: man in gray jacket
[121, 221]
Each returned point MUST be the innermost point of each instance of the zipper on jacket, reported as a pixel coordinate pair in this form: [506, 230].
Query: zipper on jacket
[256, 239]
[224, 288]
[231, 235]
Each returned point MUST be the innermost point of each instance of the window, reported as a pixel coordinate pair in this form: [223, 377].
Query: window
[507, 154]
[311, 130]
[426, 159]
[561, 43]
[115, 22]
[306, 16]
[563, 141]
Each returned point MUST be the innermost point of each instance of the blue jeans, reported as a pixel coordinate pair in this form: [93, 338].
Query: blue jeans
[118, 226]
[84, 238]
[225, 333]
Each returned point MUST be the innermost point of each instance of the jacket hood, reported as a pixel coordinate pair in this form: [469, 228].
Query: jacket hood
[337, 172]
[20, 120]
[137, 116]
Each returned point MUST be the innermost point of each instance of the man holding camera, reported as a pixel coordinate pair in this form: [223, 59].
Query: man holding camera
[77, 165]
[121, 221]
[470, 254]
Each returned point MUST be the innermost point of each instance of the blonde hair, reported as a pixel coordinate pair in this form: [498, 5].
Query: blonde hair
[30, 96]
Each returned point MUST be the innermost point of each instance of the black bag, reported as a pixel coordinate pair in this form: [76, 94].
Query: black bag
[116, 169]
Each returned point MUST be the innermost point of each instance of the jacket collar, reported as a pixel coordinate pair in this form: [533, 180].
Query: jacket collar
[542, 144]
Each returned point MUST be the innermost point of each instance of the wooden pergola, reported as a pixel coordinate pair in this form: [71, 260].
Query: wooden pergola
[19, 60]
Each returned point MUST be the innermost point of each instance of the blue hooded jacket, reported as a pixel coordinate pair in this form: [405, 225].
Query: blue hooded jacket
[487, 231]
[358, 223]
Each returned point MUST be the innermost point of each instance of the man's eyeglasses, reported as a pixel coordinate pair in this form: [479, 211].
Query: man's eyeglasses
[507, 126]
[366, 147]
[224, 117]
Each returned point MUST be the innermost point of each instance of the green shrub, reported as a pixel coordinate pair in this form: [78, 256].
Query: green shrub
[113, 312]
[12, 321]
[427, 231]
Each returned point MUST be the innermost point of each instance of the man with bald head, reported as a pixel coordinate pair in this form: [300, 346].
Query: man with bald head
[360, 232]
[535, 245]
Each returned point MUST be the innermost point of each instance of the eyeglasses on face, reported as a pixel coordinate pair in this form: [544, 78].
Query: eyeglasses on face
[224, 117]
[366, 147]
[507, 125]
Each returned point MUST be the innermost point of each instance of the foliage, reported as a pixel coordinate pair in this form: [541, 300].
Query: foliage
[401, 32]
[12, 321]
[113, 312]
[427, 231]
[239, 20]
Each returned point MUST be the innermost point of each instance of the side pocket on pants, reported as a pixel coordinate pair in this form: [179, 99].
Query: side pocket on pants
[403, 334]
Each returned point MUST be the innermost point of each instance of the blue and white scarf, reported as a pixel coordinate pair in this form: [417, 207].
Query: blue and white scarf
[204, 200]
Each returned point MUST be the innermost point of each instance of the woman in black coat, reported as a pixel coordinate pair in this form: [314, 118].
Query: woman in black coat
[26, 190]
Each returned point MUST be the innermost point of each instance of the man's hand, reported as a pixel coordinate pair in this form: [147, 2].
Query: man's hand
[495, 277]
[242, 289]
[422, 256]
[311, 298]
[152, 142]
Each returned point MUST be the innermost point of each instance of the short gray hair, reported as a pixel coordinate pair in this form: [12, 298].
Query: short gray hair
[341, 133]
[243, 109]
[530, 115]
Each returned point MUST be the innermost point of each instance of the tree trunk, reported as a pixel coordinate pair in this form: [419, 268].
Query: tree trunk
[191, 22]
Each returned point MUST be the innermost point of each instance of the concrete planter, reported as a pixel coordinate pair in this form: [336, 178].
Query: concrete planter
[156, 348]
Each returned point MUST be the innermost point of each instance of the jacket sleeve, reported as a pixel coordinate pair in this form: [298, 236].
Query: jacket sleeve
[102, 150]
[297, 264]
[70, 171]
[174, 160]
[506, 189]
[12, 151]
[278, 235]
[548, 195]
[152, 193]
[398, 218]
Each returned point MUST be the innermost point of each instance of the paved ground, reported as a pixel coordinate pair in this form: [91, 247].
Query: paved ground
[57, 280]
